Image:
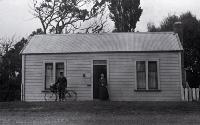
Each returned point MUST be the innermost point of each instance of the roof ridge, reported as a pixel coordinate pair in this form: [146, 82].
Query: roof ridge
[105, 33]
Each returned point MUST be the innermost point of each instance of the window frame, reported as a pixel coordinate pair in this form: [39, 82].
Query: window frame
[54, 70]
[147, 71]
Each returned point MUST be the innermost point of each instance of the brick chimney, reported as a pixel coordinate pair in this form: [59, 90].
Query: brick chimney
[178, 28]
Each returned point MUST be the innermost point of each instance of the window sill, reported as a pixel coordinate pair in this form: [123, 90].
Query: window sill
[46, 91]
[148, 90]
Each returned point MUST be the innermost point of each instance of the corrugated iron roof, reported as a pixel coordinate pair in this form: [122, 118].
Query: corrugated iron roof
[105, 42]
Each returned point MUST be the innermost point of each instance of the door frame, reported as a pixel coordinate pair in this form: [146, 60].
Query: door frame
[92, 67]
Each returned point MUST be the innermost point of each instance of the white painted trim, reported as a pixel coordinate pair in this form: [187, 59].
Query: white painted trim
[43, 74]
[91, 79]
[108, 76]
[146, 71]
[23, 79]
[54, 69]
[65, 69]
[147, 74]
[135, 62]
[54, 72]
[181, 86]
[158, 73]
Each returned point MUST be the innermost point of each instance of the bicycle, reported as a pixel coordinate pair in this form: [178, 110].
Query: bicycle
[52, 94]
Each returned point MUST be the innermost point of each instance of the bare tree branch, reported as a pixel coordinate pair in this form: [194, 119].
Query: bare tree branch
[56, 15]
[6, 44]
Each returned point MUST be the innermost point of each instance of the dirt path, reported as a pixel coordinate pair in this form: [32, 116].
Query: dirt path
[100, 113]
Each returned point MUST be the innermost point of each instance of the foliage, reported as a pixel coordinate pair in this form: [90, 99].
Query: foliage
[191, 42]
[125, 14]
[10, 70]
[97, 24]
[57, 15]
[6, 44]
[36, 32]
[151, 27]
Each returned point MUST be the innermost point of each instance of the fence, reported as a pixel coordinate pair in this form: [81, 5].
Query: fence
[190, 94]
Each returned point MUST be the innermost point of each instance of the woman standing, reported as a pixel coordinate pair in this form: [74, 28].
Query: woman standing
[103, 92]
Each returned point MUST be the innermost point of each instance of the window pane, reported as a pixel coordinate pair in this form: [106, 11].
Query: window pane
[141, 75]
[48, 74]
[152, 75]
[59, 68]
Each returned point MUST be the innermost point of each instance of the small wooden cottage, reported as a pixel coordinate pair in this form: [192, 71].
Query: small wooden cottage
[137, 66]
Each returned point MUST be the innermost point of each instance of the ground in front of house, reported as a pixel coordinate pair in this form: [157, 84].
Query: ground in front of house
[99, 113]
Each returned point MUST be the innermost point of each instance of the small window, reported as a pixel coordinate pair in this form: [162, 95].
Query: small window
[147, 75]
[48, 75]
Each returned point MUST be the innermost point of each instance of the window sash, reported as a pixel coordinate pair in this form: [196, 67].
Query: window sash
[59, 68]
[147, 75]
[141, 75]
[48, 75]
[152, 75]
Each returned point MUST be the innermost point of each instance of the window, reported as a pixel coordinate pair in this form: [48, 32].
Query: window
[59, 68]
[48, 74]
[52, 72]
[141, 75]
[152, 75]
[147, 75]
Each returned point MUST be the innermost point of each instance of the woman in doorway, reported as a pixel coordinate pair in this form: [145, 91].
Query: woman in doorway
[103, 91]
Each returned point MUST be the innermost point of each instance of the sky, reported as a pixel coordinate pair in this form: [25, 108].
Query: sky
[16, 18]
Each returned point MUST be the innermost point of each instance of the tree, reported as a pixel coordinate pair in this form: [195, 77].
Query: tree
[151, 27]
[10, 79]
[36, 32]
[57, 15]
[165, 25]
[191, 42]
[6, 44]
[125, 14]
[97, 24]
[10, 67]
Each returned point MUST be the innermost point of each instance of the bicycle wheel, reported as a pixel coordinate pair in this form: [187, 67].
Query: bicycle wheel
[50, 97]
[70, 95]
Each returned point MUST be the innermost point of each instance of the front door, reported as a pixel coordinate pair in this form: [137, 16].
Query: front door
[99, 67]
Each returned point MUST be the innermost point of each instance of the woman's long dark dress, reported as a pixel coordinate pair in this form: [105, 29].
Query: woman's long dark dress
[103, 92]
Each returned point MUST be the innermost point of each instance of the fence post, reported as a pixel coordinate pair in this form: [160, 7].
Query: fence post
[194, 94]
[182, 94]
[190, 94]
[197, 93]
[22, 92]
[186, 94]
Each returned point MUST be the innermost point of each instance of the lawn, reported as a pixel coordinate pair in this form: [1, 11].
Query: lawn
[99, 113]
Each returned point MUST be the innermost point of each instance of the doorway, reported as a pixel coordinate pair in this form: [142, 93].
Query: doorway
[99, 67]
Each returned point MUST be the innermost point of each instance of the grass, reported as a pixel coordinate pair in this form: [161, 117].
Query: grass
[98, 112]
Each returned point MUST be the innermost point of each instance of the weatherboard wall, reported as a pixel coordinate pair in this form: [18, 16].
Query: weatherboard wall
[121, 75]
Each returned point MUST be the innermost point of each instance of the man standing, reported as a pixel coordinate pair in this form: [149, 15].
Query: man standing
[62, 85]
